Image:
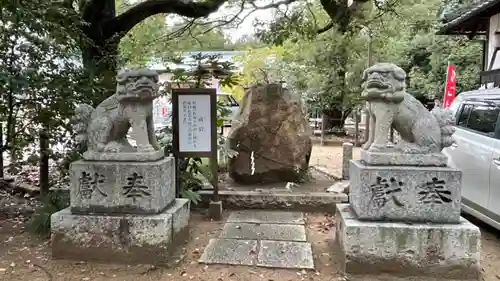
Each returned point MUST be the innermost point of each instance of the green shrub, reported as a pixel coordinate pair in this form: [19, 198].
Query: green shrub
[55, 201]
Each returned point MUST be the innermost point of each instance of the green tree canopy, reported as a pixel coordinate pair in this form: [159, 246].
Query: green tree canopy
[41, 77]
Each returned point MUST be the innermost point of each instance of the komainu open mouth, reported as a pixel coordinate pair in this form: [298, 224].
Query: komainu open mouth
[378, 84]
[143, 87]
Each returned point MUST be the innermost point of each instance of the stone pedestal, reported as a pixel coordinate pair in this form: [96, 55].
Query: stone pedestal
[121, 212]
[215, 210]
[404, 221]
[141, 239]
[441, 251]
[405, 193]
[122, 187]
[403, 159]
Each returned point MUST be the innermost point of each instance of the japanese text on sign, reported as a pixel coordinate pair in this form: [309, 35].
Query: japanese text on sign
[194, 123]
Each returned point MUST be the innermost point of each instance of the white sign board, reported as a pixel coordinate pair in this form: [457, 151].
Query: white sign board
[194, 123]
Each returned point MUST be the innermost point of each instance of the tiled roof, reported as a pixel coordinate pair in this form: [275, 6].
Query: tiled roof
[469, 12]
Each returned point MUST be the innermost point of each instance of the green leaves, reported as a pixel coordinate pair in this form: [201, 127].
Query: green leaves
[40, 75]
[409, 40]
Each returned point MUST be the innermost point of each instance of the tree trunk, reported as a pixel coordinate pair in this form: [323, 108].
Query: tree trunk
[100, 55]
[339, 13]
[100, 61]
[104, 29]
[343, 58]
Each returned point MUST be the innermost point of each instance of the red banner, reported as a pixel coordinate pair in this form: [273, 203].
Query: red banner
[450, 89]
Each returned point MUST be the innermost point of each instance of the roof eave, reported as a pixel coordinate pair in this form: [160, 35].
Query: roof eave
[474, 12]
[449, 31]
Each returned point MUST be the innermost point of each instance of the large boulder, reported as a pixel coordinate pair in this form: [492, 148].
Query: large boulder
[273, 126]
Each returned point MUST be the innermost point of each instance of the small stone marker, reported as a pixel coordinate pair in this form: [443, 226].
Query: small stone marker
[215, 210]
[346, 157]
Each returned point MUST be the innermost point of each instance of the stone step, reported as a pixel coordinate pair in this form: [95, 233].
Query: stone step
[280, 232]
[264, 216]
[264, 253]
[262, 238]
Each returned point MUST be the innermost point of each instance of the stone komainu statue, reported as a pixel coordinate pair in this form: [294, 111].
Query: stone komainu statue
[105, 128]
[389, 105]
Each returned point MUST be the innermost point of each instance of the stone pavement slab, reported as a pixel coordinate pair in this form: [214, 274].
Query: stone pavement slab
[262, 238]
[230, 251]
[275, 217]
[286, 232]
[281, 254]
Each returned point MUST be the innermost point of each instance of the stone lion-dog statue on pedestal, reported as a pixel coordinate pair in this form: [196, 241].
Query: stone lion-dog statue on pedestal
[422, 131]
[104, 129]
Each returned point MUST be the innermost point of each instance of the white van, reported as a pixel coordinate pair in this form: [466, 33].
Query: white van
[477, 153]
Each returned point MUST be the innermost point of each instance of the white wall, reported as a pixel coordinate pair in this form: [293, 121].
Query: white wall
[494, 41]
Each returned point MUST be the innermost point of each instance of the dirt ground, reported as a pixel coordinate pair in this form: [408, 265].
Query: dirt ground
[25, 258]
[330, 157]
[22, 258]
[314, 182]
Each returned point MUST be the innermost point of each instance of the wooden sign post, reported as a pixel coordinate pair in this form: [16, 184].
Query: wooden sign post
[194, 123]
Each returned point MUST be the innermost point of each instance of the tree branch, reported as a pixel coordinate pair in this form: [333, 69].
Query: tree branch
[326, 28]
[272, 5]
[123, 23]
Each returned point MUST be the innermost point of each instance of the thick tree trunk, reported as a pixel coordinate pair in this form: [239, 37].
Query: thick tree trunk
[338, 114]
[104, 29]
[339, 13]
[100, 52]
[100, 61]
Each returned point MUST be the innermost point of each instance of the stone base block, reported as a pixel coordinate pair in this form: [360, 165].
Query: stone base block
[124, 156]
[405, 193]
[442, 251]
[129, 239]
[402, 159]
[122, 187]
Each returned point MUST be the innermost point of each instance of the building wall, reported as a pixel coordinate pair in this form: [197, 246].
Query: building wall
[494, 42]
